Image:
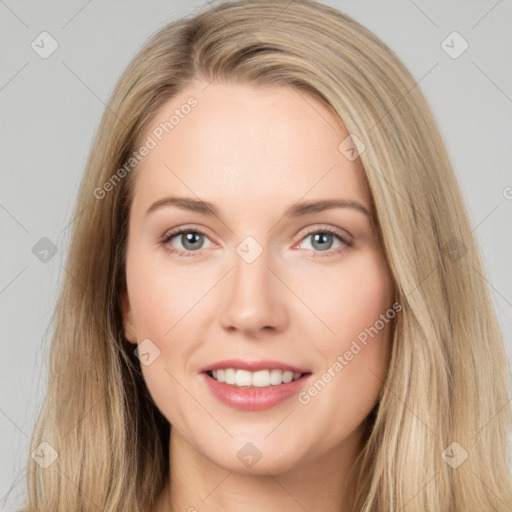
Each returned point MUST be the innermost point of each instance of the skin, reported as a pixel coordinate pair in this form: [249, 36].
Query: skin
[253, 152]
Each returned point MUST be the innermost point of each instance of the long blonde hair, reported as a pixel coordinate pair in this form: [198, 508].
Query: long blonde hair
[445, 398]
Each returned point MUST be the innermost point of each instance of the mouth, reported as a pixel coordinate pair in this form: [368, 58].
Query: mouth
[253, 386]
[259, 379]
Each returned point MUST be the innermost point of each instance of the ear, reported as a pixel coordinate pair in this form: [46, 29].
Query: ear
[128, 324]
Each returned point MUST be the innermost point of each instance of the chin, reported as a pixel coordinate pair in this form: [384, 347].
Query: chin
[258, 457]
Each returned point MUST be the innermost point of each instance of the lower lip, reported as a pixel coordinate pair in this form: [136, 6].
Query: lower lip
[253, 398]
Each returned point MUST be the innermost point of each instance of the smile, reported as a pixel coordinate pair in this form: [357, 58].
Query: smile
[259, 379]
[253, 385]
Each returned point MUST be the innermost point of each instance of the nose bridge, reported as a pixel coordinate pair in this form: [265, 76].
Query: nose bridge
[251, 273]
[253, 301]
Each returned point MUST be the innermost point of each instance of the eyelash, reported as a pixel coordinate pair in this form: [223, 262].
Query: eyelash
[167, 237]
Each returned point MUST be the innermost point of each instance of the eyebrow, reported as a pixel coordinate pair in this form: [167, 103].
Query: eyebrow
[296, 210]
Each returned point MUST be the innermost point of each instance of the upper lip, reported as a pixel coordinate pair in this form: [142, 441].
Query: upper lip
[253, 366]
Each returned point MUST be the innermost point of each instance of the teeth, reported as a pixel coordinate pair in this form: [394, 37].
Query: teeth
[230, 376]
[287, 377]
[276, 377]
[259, 379]
[243, 378]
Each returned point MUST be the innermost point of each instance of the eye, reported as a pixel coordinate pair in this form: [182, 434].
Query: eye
[190, 240]
[322, 241]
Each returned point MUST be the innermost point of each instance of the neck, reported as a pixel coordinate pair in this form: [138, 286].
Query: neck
[197, 484]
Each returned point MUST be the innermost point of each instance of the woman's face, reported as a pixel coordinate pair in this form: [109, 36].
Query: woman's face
[267, 289]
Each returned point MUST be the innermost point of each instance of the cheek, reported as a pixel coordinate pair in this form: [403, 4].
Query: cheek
[347, 299]
[166, 307]
[364, 363]
[349, 383]
[356, 305]
[162, 294]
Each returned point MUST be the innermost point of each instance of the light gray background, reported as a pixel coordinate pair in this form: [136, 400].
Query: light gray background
[51, 109]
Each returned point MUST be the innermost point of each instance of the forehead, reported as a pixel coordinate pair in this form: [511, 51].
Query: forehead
[246, 143]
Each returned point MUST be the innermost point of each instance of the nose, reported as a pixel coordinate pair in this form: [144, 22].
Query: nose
[255, 298]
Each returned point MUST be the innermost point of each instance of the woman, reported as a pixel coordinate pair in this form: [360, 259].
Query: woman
[273, 298]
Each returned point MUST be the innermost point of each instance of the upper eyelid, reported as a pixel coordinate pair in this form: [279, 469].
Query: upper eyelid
[330, 229]
[171, 233]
